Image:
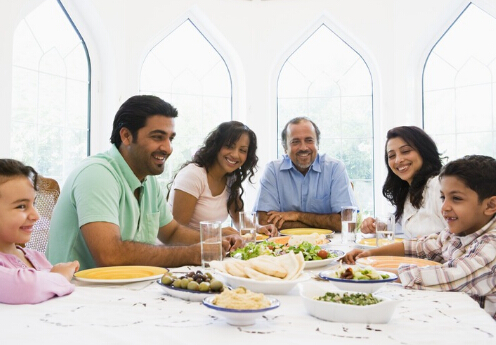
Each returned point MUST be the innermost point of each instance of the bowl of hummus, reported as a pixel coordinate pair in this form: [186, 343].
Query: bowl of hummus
[240, 307]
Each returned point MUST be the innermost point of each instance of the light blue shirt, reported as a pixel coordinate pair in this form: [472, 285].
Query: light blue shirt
[324, 189]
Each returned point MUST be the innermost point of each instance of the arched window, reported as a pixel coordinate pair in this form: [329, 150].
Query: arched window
[50, 92]
[327, 81]
[459, 86]
[187, 71]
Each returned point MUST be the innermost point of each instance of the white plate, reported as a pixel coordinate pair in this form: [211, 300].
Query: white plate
[335, 312]
[267, 287]
[240, 317]
[188, 295]
[366, 286]
[120, 274]
[325, 262]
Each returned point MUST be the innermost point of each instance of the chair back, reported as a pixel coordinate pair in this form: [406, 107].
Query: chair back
[46, 198]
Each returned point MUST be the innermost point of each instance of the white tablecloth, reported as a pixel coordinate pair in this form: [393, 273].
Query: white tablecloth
[142, 313]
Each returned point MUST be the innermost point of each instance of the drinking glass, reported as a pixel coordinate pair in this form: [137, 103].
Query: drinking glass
[384, 230]
[248, 225]
[211, 242]
[348, 223]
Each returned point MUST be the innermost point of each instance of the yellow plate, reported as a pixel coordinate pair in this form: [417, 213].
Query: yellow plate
[261, 237]
[305, 231]
[394, 261]
[120, 274]
[370, 242]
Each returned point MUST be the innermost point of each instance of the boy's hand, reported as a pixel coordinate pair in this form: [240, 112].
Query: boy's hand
[67, 269]
[354, 254]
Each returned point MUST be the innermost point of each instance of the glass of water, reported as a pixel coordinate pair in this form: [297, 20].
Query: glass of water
[248, 225]
[348, 223]
[384, 230]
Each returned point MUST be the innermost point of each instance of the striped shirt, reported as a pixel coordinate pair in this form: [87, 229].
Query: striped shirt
[468, 264]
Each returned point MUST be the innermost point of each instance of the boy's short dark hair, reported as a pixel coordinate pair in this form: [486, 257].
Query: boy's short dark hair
[10, 168]
[477, 172]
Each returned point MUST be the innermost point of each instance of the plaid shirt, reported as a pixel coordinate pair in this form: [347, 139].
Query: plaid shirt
[468, 264]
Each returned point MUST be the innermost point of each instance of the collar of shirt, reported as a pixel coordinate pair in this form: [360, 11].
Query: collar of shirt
[126, 171]
[287, 164]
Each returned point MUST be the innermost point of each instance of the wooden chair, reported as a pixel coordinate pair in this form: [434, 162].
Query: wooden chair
[46, 198]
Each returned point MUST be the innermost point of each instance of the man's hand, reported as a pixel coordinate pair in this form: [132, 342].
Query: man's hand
[278, 218]
[67, 269]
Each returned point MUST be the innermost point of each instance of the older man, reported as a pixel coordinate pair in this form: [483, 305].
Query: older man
[111, 209]
[305, 188]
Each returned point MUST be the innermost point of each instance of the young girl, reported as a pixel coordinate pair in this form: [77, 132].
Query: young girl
[209, 187]
[26, 276]
[412, 186]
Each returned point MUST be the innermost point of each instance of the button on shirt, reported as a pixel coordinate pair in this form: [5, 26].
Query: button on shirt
[322, 190]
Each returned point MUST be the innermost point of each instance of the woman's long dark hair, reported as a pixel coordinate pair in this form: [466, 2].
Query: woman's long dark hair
[227, 134]
[395, 189]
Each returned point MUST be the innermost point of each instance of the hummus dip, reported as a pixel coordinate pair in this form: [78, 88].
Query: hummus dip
[240, 298]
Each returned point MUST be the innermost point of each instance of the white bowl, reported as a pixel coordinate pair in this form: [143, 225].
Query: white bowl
[240, 317]
[281, 287]
[188, 295]
[335, 312]
[366, 286]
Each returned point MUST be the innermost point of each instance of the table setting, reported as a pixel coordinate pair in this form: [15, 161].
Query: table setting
[131, 310]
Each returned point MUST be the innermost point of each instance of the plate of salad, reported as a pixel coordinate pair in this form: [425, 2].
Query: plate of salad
[314, 255]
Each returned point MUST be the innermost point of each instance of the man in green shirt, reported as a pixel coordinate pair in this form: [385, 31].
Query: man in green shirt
[111, 209]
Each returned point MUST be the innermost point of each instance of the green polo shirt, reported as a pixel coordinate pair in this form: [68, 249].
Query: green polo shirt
[101, 189]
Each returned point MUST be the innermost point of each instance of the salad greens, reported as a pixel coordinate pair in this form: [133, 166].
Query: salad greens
[252, 250]
[349, 298]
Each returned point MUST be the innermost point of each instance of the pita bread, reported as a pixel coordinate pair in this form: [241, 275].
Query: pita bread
[291, 265]
[255, 275]
[236, 268]
[218, 265]
[268, 266]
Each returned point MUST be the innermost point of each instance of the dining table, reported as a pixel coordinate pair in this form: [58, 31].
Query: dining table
[142, 313]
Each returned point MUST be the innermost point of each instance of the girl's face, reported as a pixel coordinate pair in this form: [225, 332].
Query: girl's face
[233, 157]
[403, 159]
[17, 211]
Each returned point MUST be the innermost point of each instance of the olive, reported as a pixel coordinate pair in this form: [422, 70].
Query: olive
[167, 279]
[208, 275]
[184, 283]
[177, 283]
[204, 287]
[192, 285]
[216, 285]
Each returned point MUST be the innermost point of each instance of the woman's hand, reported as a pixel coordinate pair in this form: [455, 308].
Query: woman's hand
[368, 226]
[67, 269]
[269, 230]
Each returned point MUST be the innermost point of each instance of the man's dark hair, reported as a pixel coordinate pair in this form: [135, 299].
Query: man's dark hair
[134, 112]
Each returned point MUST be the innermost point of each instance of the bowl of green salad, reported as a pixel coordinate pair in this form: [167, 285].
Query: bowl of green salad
[358, 278]
[346, 306]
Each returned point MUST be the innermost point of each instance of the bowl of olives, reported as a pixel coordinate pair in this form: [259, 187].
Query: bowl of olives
[191, 286]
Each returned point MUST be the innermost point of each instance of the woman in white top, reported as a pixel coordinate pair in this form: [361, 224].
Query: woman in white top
[413, 163]
[209, 187]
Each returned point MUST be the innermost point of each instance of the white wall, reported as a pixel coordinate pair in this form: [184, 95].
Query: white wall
[393, 36]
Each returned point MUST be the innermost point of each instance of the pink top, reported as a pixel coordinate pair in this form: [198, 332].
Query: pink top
[20, 284]
[192, 179]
